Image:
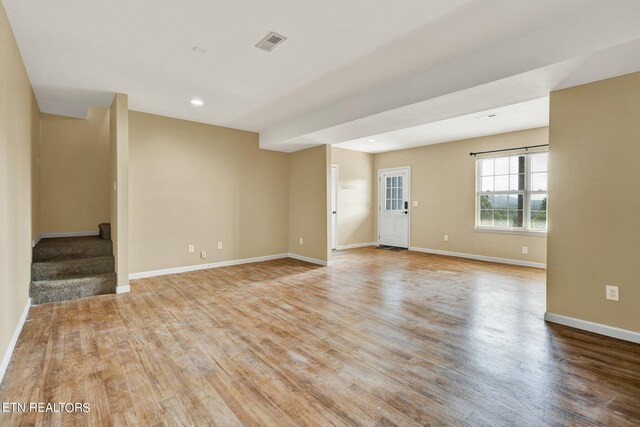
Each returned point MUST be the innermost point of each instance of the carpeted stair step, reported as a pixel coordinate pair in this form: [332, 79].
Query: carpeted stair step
[64, 248]
[66, 289]
[54, 270]
[105, 231]
[73, 267]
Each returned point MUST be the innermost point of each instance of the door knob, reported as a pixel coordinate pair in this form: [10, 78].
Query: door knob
[406, 212]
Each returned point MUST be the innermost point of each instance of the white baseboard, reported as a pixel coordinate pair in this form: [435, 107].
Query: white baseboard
[14, 339]
[188, 268]
[480, 257]
[36, 240]
[69, 234]
[311, 260]
[598, 328]
[123, 289]
[356, 245]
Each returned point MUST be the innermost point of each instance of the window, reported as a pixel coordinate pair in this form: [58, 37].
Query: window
[393, 199]
[512, 192]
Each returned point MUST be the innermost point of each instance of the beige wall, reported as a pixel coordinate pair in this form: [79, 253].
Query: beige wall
[74, 163]
[443, 182]
[119, 186]
[198, 184]
[19, 123]
[355, 196]
[309, 216]
[594, 194]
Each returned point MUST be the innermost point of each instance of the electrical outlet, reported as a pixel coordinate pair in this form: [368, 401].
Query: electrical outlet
[446, 237]
[612, 293]
[415, 203]
[191, 248]
[219, 245]
[301, 241]
[525, 250]
[203, 254]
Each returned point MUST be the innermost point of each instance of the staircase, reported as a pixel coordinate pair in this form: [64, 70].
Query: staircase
[73, 267]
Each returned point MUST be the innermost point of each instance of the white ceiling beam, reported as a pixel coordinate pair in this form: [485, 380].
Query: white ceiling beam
[517, 70]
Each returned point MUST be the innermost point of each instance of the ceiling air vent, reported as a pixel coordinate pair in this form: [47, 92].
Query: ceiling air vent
[270, 41]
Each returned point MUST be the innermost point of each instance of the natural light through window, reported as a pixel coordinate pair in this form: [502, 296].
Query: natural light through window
[393, 200]
[512, 192]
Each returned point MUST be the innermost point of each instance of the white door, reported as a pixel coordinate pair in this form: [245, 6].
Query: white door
[393, 207]
[334, 206]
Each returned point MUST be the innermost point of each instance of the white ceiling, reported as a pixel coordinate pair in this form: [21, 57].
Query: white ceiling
[74, 50]
[596, 42]
[525, 115]
[348, 69]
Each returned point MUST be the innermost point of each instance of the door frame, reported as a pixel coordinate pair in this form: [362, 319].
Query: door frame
[335, 187]
[410, 203]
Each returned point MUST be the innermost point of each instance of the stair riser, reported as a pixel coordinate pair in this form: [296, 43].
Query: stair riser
[61, 270]
[45, 292]
[90, 250]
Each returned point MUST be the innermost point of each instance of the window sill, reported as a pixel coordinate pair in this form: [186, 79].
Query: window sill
[510, 231]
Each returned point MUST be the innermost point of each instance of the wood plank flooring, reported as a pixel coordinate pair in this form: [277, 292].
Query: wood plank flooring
[380, 338]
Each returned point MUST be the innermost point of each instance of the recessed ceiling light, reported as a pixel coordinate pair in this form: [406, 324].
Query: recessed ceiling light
[197, 102]
[372, 140]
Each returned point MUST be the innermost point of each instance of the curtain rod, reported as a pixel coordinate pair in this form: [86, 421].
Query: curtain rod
[526, 148]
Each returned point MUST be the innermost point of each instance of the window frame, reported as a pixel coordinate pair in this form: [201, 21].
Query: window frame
[527, 193]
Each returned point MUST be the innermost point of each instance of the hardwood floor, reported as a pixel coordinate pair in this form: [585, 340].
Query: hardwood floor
[380, 338]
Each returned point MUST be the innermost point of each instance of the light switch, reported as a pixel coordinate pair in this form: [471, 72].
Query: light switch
[415, 203]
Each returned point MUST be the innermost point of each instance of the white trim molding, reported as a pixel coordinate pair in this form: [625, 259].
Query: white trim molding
[517, 231]
[188, 268]
[598, 328]
[123, 289]
[356, 245]
[481, 257]
[311, 260]
[69, 234]
[14, 339]
[35, 241]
